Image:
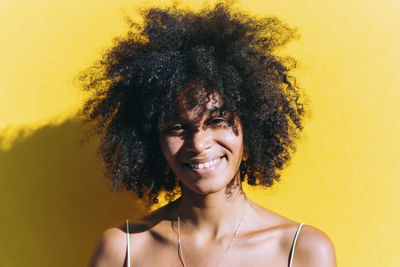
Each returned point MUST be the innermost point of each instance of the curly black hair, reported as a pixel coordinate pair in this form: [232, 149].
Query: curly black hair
[134, 87]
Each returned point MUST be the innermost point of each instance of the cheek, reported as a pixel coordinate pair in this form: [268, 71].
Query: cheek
[234, 143]
[170, 146]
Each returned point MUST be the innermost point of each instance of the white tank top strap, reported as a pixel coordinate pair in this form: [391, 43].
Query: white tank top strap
[294, 244]
[128, 250]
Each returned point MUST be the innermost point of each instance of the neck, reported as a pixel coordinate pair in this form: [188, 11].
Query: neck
[212, 212]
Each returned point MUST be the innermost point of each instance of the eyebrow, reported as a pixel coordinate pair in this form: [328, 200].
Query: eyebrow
[216, 110]
[204, 113]
[219, 110]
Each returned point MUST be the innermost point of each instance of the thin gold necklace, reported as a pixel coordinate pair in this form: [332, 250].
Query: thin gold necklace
[180, 252]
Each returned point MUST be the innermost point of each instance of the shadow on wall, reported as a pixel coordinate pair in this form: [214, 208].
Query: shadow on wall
[54, 200]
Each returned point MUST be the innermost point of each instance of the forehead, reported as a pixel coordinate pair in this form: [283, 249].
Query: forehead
[194, 102]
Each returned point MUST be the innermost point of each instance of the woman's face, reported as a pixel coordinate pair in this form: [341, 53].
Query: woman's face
[202, 150]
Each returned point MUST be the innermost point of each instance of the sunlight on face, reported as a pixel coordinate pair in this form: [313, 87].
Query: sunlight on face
[201, 147]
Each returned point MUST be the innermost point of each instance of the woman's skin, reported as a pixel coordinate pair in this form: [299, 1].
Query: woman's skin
[209, 209]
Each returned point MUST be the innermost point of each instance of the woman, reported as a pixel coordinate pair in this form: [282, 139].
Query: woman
[194, 104]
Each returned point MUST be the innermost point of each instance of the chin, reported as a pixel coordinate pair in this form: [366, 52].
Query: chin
[207, 187]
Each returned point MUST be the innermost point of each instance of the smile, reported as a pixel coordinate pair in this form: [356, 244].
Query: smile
[203, 165]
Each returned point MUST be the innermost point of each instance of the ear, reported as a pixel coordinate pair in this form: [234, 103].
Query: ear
[163, 164]
[245, 152]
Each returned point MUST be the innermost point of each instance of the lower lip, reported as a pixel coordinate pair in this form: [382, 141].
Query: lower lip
[207, 169]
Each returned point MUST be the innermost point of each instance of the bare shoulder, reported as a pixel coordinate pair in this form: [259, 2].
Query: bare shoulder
[313, 248]
[111, 249]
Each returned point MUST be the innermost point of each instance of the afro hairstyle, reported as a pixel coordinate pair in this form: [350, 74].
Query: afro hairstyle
[133, 91]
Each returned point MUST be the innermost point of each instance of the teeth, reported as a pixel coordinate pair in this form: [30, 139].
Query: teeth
[204, 164]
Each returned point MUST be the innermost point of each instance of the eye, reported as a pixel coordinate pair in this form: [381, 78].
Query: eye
[216, 121]
[175, 129]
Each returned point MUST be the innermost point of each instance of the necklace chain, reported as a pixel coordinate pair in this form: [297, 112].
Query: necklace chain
[180, 252]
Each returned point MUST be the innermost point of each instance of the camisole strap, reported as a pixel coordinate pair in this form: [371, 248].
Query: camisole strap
[128, 250]
[294, 244]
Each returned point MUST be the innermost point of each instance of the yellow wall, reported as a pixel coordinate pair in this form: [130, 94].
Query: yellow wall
[344, 178]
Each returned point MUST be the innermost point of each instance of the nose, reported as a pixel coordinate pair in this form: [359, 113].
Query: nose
[199, 140]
